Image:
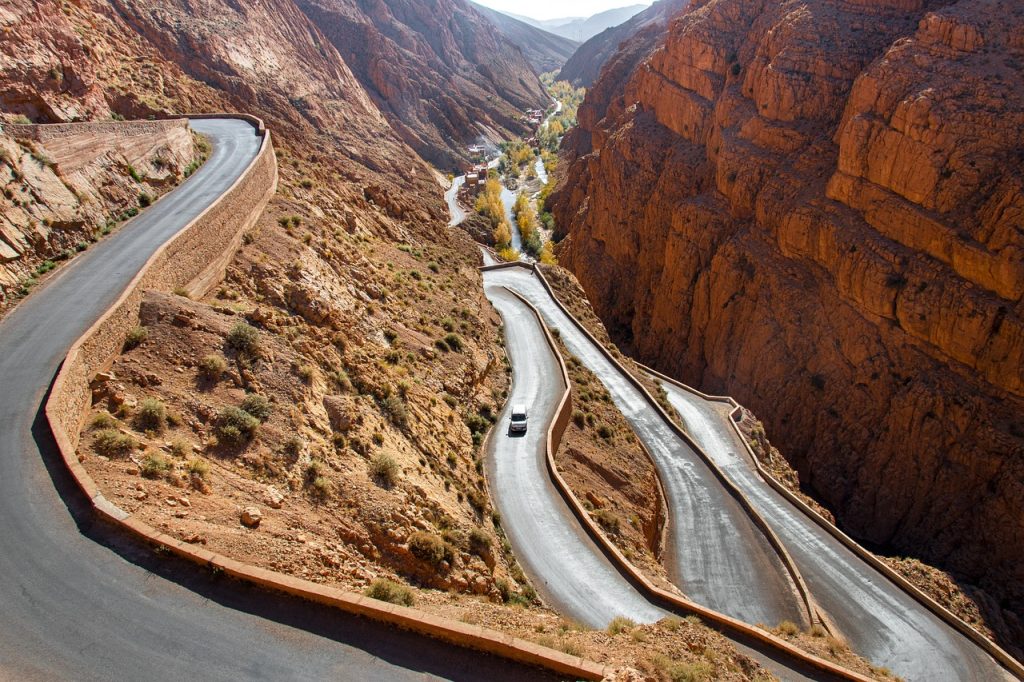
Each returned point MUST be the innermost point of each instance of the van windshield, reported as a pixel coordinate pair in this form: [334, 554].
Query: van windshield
[518, 416]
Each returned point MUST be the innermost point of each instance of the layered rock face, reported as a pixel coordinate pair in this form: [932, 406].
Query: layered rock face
[584, 66]
[440, 72]
[817, 206]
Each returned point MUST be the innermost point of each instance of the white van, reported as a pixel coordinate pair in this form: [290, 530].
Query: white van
[518, 419]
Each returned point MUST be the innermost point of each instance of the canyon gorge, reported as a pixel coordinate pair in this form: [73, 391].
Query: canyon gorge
[817, 206]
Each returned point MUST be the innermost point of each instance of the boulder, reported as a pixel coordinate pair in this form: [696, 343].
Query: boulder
[251, 517]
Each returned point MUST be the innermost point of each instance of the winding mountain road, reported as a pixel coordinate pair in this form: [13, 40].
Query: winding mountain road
[566, 566]
[881, 621]
[716, 554]
[78, 601]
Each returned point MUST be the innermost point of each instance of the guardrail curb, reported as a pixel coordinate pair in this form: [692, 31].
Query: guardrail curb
[655, 593]
[461, 634]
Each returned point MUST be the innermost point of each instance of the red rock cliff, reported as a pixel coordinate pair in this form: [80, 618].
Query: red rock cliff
[818, 207]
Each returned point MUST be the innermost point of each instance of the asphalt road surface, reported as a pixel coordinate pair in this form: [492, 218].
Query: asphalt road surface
[716, 554]
[455, 210]
[880, 621]
[78, 601]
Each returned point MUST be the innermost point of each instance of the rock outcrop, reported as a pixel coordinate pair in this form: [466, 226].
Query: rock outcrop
[818, 207]
[440, 71]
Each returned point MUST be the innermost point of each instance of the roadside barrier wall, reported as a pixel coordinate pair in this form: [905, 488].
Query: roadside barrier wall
[657, 595]
[196, 259]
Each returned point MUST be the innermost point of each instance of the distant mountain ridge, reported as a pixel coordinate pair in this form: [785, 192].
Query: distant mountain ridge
[581, 29]
[583, 68]
[544, 50]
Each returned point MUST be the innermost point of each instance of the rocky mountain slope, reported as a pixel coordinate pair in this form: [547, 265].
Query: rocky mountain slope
[439, 71]
[583, 68]
[545, 51]
[348, 384]
[816, 206]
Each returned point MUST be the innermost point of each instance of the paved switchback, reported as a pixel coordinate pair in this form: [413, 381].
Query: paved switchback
[716, 554]
[881, 622]
[77, 600]
[566, 566]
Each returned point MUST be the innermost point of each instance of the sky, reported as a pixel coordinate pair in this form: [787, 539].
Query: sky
[548, 9]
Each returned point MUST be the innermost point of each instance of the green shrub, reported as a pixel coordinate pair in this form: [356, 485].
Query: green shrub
[429, 547]
[385, 469]
[212, 367]
[306, 373]
[258, 406]
[244, 339]
[604, 431]
[391, 592]
[620, 624]
[395, 409]
[681, 671]
[504, 589]
[151, 416]
[788, 628]
[155, 465]
[145, 199]
[293, 445]
[579, 419]
[321, 488]
[198, 468]
[113, 443]
[235, 426]
[477, 500]
[479, 542]
[454, 341]
[608, 520]
[180, 447]
[102, 420]
[135, 338]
